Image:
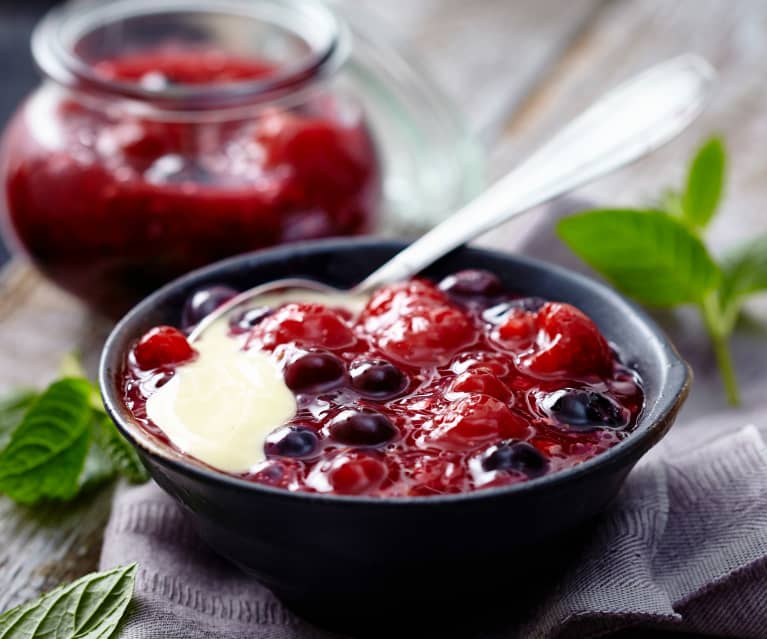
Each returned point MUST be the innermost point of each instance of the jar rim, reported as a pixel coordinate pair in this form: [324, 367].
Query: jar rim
[327, 36]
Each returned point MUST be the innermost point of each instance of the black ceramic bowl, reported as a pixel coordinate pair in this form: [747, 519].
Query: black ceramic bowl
[338, 557]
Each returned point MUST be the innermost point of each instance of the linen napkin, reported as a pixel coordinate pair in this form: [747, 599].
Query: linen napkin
[683, 548]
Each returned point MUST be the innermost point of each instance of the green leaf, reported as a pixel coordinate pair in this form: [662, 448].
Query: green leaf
[89, 608]
[46, 453]
[744, 271]
[648, 254]
[705, 181]
[671, 203]
[122, 455]
[98, 468]
[12, 409]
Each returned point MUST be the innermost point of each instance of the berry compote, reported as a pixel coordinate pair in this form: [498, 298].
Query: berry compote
[112, 197]
[430, 389]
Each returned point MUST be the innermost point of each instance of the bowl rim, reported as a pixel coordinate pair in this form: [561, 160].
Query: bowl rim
[670, 400]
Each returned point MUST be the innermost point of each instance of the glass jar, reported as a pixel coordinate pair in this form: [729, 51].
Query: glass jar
[171, 133]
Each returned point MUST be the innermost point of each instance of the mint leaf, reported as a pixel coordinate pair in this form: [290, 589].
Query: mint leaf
[744, 270]
[121, 454]
[12, 409]
[648, 254]
[704, 183]
[97, 469]
[46, 453]
[89, 608]
[671, 203]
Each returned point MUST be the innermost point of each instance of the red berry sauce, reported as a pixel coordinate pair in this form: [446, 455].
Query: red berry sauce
[432, 389]
[111, 201]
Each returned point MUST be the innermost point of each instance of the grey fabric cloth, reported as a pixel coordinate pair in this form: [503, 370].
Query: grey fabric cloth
[684, 548]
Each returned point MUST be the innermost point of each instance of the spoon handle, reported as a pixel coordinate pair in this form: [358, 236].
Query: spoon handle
[628, 122]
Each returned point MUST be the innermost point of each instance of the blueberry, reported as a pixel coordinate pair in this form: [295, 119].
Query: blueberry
[519, 456]
[314, 372]
[203, 302]
[585, 410]
[292, 441]
[378, 378]
[248, 318]
[471, 284]
[362, 428]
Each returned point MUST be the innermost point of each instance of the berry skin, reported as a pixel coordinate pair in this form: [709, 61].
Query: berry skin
[362, 428]
[476, 421]
[481, 380]
[203, 302]
[314, 373]
[402, 297]
[292, 441]
[378, 379]
[308, 325]
[163, 346]
[472, 284]
[356, 472]
[518, 456]
[428, 336]
[585, 410]
[568, 343]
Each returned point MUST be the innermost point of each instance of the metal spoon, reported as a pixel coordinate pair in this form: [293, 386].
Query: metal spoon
[627, 123]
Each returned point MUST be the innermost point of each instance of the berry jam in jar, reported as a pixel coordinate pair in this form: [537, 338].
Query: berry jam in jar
[169, 134]
[421, 389]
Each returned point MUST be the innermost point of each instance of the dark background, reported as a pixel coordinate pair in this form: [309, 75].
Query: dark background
[19, 76]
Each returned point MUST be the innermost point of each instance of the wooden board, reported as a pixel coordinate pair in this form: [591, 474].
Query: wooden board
[519, 69]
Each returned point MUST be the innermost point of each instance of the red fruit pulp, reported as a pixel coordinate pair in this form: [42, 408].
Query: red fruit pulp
[162, 346]
[111, 202]
[472, 392]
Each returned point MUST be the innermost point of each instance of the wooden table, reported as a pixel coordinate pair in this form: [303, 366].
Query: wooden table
[519, 69]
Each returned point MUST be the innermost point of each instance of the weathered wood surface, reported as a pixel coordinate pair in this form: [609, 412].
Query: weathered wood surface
[519, 69]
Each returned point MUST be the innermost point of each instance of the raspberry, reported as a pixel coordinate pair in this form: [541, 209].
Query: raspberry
[308, 325]
[324, 159]
[427, 336]
[354, 473]
[404, 296]
[481, 380]
[475, 421]
[162, 346]
[569, 343]
[519, 326]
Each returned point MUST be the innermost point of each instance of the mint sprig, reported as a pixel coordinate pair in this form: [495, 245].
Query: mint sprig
[659, 257]
[12, 410]
[60, 443]
[46, 454]
[89, 608]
